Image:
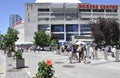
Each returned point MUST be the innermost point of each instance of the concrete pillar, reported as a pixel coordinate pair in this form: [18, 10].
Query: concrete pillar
[105, 55]
[96, 54]
[117, 56]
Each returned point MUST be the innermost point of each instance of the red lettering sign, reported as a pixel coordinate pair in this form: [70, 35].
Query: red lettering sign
[92, 6]
[88, 6]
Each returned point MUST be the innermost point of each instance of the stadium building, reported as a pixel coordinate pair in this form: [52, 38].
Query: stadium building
[62, 19]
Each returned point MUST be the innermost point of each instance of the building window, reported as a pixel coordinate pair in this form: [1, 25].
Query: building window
[43, 14]
[98, 10]
[72, 28]
[85, 10]
[43, 27]
[111, 10]
[69, 35]
[57, 36]
[85, 27]
[57, 28]
[43, 19]
[43, 10]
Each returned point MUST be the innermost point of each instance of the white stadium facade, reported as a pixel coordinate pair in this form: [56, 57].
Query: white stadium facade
[62, 19]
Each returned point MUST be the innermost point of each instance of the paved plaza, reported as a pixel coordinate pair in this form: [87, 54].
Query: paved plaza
[63, 69]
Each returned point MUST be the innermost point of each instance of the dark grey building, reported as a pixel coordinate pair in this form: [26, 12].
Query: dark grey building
[13, 19]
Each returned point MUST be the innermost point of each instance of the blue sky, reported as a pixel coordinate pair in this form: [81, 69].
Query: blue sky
[9, 7]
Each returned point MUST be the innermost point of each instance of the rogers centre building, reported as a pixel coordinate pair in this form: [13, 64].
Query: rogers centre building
[63, 19]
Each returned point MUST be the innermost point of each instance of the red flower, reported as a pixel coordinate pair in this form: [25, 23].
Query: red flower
[49, 62]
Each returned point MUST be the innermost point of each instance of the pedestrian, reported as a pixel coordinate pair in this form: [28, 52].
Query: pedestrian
[58, 49]
[70, 57]
[62, 49]
[113, 51]
[74, 53]
[84, 54]
[91, 54]
[68, 50]
[109, 49]
[96, 53]
[79, 52]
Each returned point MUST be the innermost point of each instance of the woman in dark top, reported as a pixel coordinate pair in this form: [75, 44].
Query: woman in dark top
[74, 53]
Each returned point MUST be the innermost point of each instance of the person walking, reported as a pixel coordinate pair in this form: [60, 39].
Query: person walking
[96, 53]
[84, 54]
[58, 50]
[62, 49]
[113, 51]
[91, 54]
[70, 57]
[74, 53]
[79, 50]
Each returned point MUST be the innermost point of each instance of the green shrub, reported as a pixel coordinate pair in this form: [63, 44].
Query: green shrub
[45, 70]
[17, 55]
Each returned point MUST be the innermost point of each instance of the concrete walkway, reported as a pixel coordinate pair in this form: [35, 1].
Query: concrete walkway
[95, 69]
[7, 68]
[63, 69]
[2, 65]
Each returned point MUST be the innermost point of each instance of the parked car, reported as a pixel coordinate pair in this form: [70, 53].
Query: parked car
[38, 48]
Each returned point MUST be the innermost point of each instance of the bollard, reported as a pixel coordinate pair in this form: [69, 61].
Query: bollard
[117, 56]
[105, 55]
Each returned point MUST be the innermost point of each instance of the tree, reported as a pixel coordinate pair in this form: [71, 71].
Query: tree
[1, 41]
[53, 41]
[42, 39]
[10, 38]
[105, 31]
[98, 35]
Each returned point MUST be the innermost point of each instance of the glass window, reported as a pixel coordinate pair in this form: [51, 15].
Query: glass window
[43, 19]
[68, 36]
[111, 10]
[85, 27]
[43, 14]
[85, 34]
[72, 15]
[85, 10]
[72, 28]
[43, 27]
[57, 36]
[43, 10]
[98, 10]
[57, 28]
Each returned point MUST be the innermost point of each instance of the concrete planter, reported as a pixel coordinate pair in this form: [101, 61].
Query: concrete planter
[19, 63]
